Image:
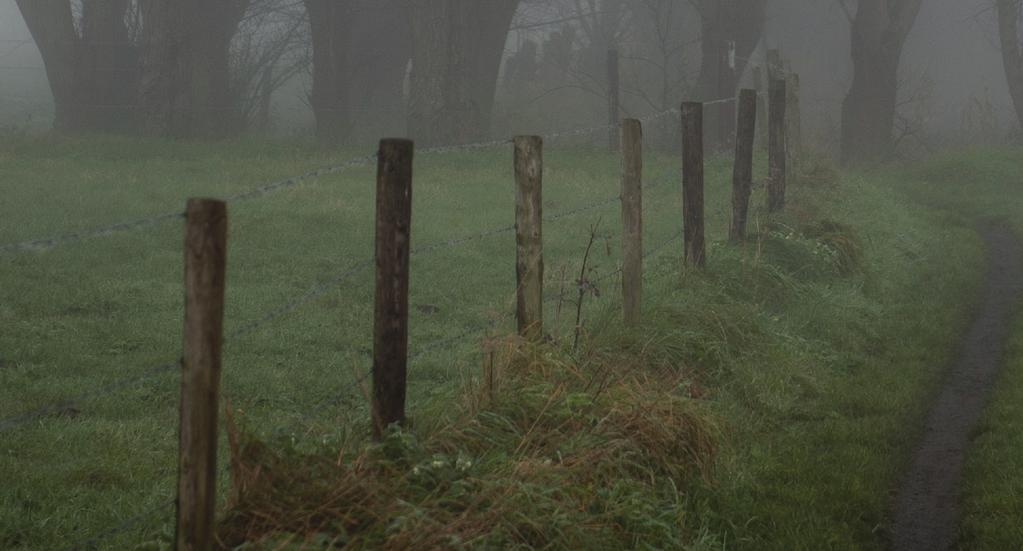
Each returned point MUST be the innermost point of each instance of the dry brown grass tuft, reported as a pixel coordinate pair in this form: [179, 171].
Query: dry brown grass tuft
[529, 460]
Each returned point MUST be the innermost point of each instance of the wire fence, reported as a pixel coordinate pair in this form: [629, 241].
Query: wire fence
[349, 390]
[44, 243]
[313, 293]
[93, 543]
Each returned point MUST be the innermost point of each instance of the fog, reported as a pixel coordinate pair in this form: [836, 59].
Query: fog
[951, 60]
[952, 86]
[511, 274]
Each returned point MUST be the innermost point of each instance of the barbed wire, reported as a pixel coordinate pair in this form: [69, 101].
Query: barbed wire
[305, 298]
[310, 295]
[335, 398]
[243, 330]
[344, 392]
[608, 275]
[250, 327]
[448, 342]
[294, 181]
[68, 404]
[45, 243]
[93, 542]
[292, 305]
[51, 242]
[331, 400]
[717, 101]
[459, 148]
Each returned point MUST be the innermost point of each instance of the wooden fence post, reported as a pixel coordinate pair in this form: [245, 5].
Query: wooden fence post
[613, 99]
[692, 182]
[776, 148]
[742, 173]
[205, 263]
[390, 326]
[632, 220]
[793, 126]
[529, 235]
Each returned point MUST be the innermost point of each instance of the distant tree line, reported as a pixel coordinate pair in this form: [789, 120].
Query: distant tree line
[207, 68]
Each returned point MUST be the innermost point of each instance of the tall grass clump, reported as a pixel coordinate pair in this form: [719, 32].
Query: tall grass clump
[541, 451]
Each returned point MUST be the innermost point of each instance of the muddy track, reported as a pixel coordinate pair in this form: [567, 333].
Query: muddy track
[927, 504]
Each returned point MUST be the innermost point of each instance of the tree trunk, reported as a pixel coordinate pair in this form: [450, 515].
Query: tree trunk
[107, 78]
[379, 66]
[724, 22]
[350, 53]
[159, 95]
[457, 50]
[92, 75]
[1012, 57]
[185, 87]
[329, 21]
[213, 112]
[879, 31]
[52, 26]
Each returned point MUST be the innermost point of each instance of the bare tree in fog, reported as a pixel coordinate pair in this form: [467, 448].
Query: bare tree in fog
[879, 31]
[185, 88]
[1012, 53]
[659, 24]
[730, 32]
[603, 26]
[270, 48]
[91, 61]
[457, 49]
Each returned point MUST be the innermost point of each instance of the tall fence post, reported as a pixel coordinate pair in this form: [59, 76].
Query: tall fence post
[205, 263]
[529, 235]
[390, 326]
[776, 147]
[793, 126]
[632, 220]
[613, 99]
[742, 173]
[692, 182]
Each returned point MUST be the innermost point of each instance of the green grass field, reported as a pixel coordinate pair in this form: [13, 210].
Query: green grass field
[808, 355]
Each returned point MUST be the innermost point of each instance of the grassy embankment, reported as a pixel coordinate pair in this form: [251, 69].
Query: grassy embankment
[767, 402]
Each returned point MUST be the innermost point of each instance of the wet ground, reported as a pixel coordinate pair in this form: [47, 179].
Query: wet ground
[927, 505]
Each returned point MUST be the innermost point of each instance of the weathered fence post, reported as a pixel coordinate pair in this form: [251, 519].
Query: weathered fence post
[793, 127]
[776, 148]
[613, 99]
[529, 235]
[390, 326]
[692, 182]
[742, 173]
[632, 220]
[205, 263]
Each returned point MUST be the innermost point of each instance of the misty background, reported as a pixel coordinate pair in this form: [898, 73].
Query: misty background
[952, 87]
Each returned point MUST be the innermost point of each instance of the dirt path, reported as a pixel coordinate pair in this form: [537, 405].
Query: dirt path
[927, 506]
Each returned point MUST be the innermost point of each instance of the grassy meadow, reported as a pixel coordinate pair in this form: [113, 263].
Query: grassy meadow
[767, 402]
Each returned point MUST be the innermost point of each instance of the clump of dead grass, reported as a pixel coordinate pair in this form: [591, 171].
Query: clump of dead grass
[540, 453]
